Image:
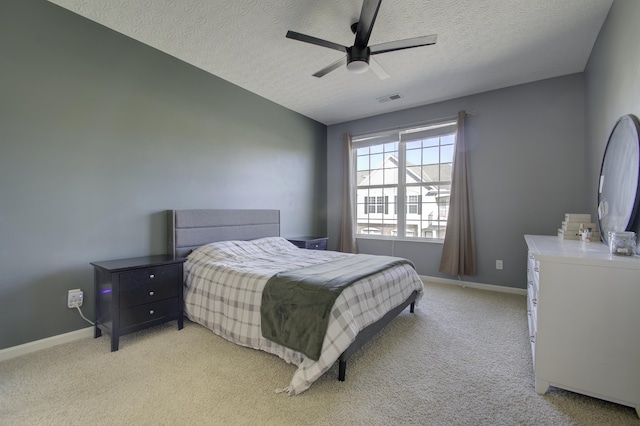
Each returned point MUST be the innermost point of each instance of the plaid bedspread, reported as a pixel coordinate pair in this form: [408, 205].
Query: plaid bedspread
[223, 292]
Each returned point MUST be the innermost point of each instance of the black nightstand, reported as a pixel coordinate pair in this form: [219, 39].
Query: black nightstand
[311, 243]
[136, 293]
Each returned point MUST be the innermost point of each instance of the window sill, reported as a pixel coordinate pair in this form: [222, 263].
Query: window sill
[407, 239]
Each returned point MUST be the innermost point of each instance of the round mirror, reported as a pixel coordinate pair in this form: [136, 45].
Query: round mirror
[619, 174]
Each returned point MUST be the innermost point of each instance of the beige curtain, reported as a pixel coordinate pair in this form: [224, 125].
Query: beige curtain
[347, 238]
[458, 252]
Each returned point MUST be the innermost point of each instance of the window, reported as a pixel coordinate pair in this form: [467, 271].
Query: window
[412, 204]
[376, 204]
[403, 181]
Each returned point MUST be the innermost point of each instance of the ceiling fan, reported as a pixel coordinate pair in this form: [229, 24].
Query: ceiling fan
[358, 57]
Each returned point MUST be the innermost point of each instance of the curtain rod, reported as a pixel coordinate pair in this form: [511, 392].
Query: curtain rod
[405, 126]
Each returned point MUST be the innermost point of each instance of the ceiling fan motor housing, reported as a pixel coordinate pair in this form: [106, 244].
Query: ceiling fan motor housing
[358, 58]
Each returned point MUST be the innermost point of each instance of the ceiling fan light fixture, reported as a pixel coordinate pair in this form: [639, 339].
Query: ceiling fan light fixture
[358, 66]
[358, 59]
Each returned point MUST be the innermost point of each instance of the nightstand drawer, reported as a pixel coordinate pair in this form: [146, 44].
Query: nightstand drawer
[310, 243]
[149, 312]
[151, 293]
[316, 245]
[150, 276]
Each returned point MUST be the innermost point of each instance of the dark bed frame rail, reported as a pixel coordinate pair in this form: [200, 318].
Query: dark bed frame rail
[367, 333]
[189, 229]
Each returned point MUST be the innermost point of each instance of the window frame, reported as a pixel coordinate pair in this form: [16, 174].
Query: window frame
[402, 205]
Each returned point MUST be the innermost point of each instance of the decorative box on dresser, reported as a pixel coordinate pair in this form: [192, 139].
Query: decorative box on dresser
[310, 243]
[584, 319]
[136, 293]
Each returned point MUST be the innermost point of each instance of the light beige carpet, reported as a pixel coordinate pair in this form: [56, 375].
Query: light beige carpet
[463, 358]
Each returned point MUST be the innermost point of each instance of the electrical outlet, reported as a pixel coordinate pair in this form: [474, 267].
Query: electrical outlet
[74, 298]
[498, 264]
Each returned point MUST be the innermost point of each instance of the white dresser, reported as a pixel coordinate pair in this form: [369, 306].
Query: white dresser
[584, 319]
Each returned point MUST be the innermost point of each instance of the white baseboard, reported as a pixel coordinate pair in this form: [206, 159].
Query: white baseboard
[489, 287]
[49, 342]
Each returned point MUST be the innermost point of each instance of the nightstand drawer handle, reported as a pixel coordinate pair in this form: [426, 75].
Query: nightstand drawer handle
[152, 276]
[151, 312]
[151, 293]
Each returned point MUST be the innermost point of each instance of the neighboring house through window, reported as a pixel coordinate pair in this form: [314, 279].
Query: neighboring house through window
[413, 163]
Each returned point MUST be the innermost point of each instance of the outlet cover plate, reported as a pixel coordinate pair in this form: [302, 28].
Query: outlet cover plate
[74, 298]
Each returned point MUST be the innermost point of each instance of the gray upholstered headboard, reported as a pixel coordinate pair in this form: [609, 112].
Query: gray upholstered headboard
[189, 229]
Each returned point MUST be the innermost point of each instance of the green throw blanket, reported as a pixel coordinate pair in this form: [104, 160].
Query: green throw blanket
[296, 304]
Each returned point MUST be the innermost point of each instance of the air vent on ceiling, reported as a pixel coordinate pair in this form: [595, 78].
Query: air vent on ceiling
[388, 98]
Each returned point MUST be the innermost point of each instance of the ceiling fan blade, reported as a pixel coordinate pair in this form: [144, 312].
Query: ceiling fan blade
[365, 23]
[404, 44]
[326, 70]
[377, 69]
[317, 41]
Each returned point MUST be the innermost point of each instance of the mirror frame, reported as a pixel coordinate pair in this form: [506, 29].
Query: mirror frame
[618, 195]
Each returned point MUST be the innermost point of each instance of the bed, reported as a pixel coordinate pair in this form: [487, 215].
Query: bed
[223, 290]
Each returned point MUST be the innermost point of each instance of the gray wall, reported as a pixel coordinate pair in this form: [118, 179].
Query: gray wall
[99, 134]
[527, 170]
[612, 79]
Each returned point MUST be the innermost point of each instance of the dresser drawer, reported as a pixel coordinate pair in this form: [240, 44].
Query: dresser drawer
[149, 312]
[150, 293]
[150, 276]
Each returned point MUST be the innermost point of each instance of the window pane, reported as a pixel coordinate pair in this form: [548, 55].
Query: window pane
[431, 173]
[362, 178]
[446, 172]
[444, 192]
[448, 140]
[414, 144]
[390, 195]
[431, 155]
[413, 210]
[440, 207]
[362, 195]
[362, 204]
[362, 162]
[391, 147]
[446, 154]
[376, 148]
[412, 204]
[431, 142]
[413, 175]
[376, 161]
[414, 156]
[362, 151]
[376, 211]
[391, 176]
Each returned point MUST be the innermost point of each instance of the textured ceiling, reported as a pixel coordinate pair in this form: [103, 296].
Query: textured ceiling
[482, 45]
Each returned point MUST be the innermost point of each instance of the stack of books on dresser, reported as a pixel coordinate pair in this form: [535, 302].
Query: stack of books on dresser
[574, 223]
